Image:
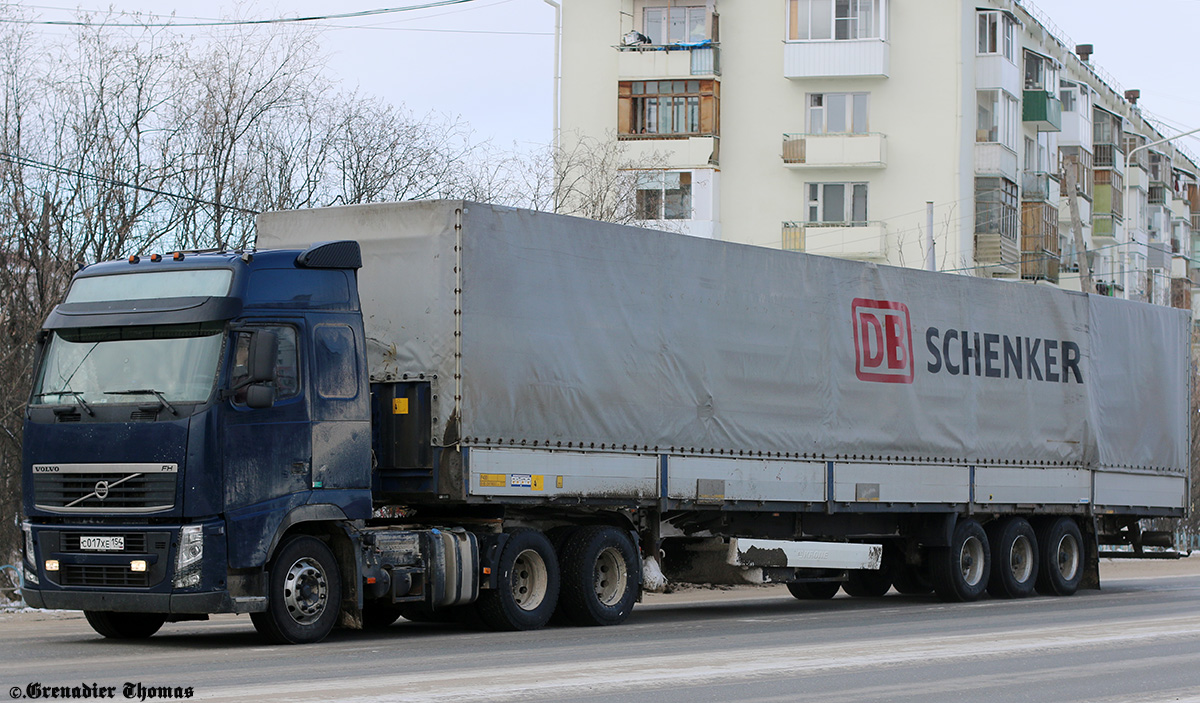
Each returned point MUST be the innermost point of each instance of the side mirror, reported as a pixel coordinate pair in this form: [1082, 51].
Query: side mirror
[260, 395]
[264, 347]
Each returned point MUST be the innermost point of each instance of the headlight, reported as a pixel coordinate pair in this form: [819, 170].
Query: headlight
[31, 578]
[30, 557]
[191, 553]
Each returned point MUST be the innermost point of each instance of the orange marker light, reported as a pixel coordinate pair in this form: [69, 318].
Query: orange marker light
[178, 256]
[134, 259]
[156, 258]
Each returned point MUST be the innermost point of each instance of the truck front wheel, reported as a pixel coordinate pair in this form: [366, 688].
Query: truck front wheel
[527, 592]
[600, 576]
[961, 571]
[305, 593]
[125, 626]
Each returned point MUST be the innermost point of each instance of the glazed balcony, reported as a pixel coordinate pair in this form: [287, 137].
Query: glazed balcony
[1042, 109]
[861, 241]
[839, 58]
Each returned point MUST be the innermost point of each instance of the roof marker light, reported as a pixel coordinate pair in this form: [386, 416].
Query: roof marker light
[134, 259]
[156, 258]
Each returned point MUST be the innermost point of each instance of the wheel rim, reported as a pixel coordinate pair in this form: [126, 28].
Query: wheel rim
[1020, 559]
[611, 575]
[305, 590]
[529, 580]
[1067, 557]
[970, 561]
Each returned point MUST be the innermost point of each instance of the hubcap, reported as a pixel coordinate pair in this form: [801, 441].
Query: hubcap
[1020, 559]
[305, 591]
[970, 561]
[610, 577]
[529, 580]
[1068, 557]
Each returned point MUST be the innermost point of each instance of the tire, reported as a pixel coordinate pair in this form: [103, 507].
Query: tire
[377, 615]
[814, 590]
[1060, 557]
[868, 583]
[528, 584]
[961, 571]
[601, 573]
[124, 626]
[304, 595]
[421, 612]
[1014, 558]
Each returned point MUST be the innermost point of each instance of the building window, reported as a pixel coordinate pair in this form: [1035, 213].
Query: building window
[837, 203]
[996, 207]
[995, 33]
[837, 113]
[675, 108]
[1041, 72]
[1106, 128]
[997, 118]
[664, 195]
[834, 19]
[674, 25]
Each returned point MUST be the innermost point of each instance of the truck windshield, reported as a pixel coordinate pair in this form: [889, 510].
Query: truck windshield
[178, 361]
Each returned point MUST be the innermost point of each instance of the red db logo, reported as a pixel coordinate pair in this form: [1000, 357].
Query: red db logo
[883, 347]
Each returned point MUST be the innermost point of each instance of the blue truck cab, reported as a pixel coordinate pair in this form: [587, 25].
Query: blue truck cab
[186, 411]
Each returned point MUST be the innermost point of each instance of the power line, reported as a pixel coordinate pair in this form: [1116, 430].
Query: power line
[230, 23]
[42, 165]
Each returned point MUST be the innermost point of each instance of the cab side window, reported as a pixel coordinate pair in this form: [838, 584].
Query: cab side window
[287, 363]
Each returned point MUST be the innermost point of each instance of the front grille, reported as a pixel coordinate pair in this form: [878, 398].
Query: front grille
[93, 575]
[102, 492]
[135, 542]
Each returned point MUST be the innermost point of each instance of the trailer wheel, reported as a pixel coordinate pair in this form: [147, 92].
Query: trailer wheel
[376, 615]
[528, 584]
[814, 590]
[873, 583]
[1014, 558]
[304, 595]
[600, 576]
[961, 571]
[1060, 557]
[124, 626]
[911, 580]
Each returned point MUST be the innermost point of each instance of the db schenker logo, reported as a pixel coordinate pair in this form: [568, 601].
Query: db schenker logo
[883, 348]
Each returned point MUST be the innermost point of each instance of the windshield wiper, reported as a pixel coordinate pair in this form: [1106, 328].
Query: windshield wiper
[77, 395]
[147, 391]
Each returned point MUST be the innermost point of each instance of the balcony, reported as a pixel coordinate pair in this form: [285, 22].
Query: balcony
[649, 61]
[1039, 241]
[1108, 200]
[677, 152]
[1043, 110]
[993, 159]
[861, 241]
[1108, 156]
[1107, 230]
[998, 252]
[835, 150]
[839, 58]
[1037, 186]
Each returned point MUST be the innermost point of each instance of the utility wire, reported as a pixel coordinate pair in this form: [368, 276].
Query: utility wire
[32, 163]
[229, 23]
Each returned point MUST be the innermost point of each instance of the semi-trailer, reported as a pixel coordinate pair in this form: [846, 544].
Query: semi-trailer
[422, 408]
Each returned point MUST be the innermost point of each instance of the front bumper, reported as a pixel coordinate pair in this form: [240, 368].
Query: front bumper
[193, 603]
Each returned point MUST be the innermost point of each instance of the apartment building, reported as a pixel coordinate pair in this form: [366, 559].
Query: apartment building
[828, 125]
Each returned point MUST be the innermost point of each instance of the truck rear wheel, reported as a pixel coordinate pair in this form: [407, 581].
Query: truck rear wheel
[1014, 558]
[527, 592]
[1060, 557]
[814, 590]
[304, 595]
[961, 571]
[600, 576]
[125, 626]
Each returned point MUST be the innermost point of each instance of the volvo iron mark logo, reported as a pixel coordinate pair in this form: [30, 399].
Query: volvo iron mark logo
[101, 490]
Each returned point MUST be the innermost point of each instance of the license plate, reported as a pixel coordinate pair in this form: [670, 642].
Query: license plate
[102, 544]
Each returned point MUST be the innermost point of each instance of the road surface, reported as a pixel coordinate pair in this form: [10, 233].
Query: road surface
[1138, 639]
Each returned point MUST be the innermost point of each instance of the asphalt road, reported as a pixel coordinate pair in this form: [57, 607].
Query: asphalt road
[1138, 639]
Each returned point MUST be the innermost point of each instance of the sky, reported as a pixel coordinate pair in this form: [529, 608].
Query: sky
[490, 61]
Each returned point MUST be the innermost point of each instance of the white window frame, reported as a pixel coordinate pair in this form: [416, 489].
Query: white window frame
[818, 198]
[995, 34]
[1005, 123]
[668, 185]
[836, 20]
[855, 110]
[683, 18]
[1046, 69]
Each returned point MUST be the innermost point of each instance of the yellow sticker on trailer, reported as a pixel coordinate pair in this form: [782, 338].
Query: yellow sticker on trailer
[493, 480]
[538, 483]
[400, 406]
